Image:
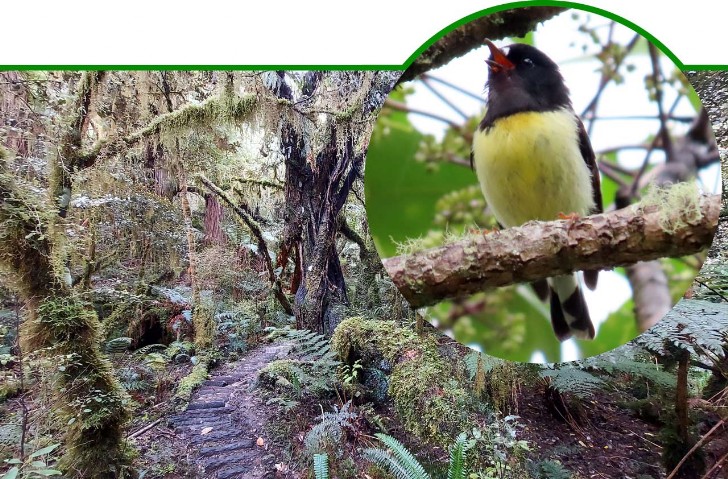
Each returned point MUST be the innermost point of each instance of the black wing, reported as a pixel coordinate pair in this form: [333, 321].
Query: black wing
[591, 161]
[591, 276]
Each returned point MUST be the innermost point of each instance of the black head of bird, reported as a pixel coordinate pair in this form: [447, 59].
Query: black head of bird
[523, 78]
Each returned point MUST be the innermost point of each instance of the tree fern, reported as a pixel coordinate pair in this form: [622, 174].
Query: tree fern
[571, 379]
[694, 325]
[321, 466]
[647, 370]
[397, 459]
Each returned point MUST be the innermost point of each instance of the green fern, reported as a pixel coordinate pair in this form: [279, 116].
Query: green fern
[117, 345]
[330, 431]
[321, 466]
[553, 470]
[694, 325]
[397, 459]
[644, 369]
[487, 363]
[456, 469]
[572, 379]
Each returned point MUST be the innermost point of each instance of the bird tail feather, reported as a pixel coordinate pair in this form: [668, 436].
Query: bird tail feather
[569, 312]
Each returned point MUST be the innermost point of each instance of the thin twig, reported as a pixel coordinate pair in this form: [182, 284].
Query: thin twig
[442, 98]
[141, 431]
[697, 445]
[399, 106]
[457, 88]
[713, 290]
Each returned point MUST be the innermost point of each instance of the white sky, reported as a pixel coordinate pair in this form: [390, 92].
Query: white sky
[294, 32]
[581, 75]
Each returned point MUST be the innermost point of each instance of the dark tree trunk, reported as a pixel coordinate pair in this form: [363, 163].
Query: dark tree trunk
[213, 221]
[315, 191]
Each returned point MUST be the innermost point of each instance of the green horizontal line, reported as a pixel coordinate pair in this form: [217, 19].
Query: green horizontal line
[410, 59]
[259, 67]
[705, 67]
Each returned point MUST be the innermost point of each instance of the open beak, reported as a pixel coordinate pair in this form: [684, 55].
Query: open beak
[498, 60]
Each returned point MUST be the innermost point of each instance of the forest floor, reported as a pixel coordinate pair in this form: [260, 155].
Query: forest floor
[222, 432]
[603, 441]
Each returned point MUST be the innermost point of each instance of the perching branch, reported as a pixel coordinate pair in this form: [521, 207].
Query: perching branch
[538, 250]
[509, 23]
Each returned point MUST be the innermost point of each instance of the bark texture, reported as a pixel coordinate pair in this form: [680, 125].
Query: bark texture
[538, 250]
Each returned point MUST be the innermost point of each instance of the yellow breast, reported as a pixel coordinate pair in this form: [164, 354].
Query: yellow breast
[530, 167]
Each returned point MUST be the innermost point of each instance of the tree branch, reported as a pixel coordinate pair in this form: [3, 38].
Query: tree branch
[538, 250]
[508, 23]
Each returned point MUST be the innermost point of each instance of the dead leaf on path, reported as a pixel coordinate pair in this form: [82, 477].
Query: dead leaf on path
[260, 442]
[205, 430]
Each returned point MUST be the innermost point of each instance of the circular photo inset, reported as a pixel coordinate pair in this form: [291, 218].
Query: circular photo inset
[538, 187]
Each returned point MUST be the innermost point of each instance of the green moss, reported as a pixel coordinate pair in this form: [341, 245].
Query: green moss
[280, 373]
[93, 402]
[223, 109]
[203, 319]
[193, 380]
[25, 248]
[429, 401]
[370, 340]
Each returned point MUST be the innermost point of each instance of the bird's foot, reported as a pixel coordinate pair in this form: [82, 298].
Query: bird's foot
[568, 216]
[482, 231]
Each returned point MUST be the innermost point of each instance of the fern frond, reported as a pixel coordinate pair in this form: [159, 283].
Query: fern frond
[553, 470]
[117, 345]
[321, 466]
[644, 369]
[456, 468]
[569, 379]
[405, 458]
[487, 363]
[150, 348]
[388, 462]
[693, 325]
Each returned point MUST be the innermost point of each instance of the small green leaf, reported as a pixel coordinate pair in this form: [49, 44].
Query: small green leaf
[11, 474]
[43, 451]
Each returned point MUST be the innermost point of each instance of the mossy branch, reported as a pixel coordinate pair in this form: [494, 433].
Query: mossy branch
[538, 250]
[223, 109]
[242, 212]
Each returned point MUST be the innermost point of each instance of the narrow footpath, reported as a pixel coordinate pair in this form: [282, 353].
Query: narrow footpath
[224, 422]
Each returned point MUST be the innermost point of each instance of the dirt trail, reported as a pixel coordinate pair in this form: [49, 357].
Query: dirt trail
[225, 418]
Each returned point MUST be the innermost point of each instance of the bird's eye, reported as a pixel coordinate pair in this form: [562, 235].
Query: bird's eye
[528, 62]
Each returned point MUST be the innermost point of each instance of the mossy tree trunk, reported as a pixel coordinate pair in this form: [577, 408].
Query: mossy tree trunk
[213, 221]
[59, 324]
[90, 400]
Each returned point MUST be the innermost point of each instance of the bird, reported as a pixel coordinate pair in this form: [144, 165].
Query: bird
[534, 161]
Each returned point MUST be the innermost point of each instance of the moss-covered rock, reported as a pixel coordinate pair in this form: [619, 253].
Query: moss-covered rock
[429, 401]
[193, 380]
[295, 378]
[279, 374]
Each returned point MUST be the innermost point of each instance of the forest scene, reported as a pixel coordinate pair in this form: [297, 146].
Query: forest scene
[190, 288]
